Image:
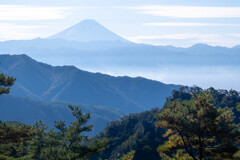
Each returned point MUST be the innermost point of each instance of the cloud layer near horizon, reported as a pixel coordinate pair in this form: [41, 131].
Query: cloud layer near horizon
[190, 11]
[23, 12]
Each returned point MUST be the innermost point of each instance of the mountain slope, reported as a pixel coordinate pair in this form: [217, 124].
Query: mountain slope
[29, 111]
[133, 132]
[86, 31]
[138, 131]
[67, 83]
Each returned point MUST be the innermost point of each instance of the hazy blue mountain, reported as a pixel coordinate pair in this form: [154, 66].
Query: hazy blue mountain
[29, 111]
[238, 46]
[118, 57]
[104, 54]
[86, 35]
[68, 83]
[203, 49]
[89, 43]
[26, 46]
[86, 31]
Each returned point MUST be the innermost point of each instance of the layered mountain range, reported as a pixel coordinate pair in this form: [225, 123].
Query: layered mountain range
[42, 90]
[44, 82]
[90, 45]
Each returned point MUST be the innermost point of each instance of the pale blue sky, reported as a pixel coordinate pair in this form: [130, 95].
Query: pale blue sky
[158, 22]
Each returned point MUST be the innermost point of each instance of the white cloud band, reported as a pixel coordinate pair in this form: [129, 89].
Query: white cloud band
[189, 38]
[15, 32]
[190, 11]
[186, 24]
[21, 12]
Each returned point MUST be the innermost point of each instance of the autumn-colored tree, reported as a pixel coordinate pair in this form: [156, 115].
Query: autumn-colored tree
[238, 107]
[198, 130]
[128, 156]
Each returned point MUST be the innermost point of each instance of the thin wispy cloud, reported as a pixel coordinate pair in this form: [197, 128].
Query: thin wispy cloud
[186, 24]
[190, 11]
[188, 38]
[173, 36]
[15, 32]
[235, 35]
[23, 12]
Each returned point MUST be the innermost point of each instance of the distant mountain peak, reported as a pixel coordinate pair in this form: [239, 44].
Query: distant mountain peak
[87, 21]
[86, 31]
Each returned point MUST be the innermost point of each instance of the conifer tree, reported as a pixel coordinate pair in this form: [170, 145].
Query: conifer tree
[38, 143]
[66, 142]
[13, 139]
[5, 83]
[198, 130]
[74, 144]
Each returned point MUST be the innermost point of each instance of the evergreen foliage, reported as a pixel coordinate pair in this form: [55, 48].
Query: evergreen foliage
[5, 83]
[133, 132]
[221, 98]
[198, 128]
[60, 143]
[67, 142]
[126, 135]
[13, 140]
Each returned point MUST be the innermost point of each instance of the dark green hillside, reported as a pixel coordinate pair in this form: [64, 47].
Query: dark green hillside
[138, 132]
[134, 132]
[43, 82]
[221, 98]
[199, 128]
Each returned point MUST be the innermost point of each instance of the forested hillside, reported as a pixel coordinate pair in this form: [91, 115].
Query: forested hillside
[133, 132]
[138, 131]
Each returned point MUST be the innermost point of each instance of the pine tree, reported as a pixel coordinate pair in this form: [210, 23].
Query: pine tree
[66, 142]
[75, 145]
[38, 143]
[13, 139]
[198, 130]
[5, 83]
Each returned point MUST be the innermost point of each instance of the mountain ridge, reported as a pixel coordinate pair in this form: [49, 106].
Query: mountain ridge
[70, 84]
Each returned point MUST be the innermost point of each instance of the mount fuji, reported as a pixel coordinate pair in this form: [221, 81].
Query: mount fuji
[91, 46]
[84, 36]
[87, 31]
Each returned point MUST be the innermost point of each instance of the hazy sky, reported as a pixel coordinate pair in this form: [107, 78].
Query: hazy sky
[158, 22]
